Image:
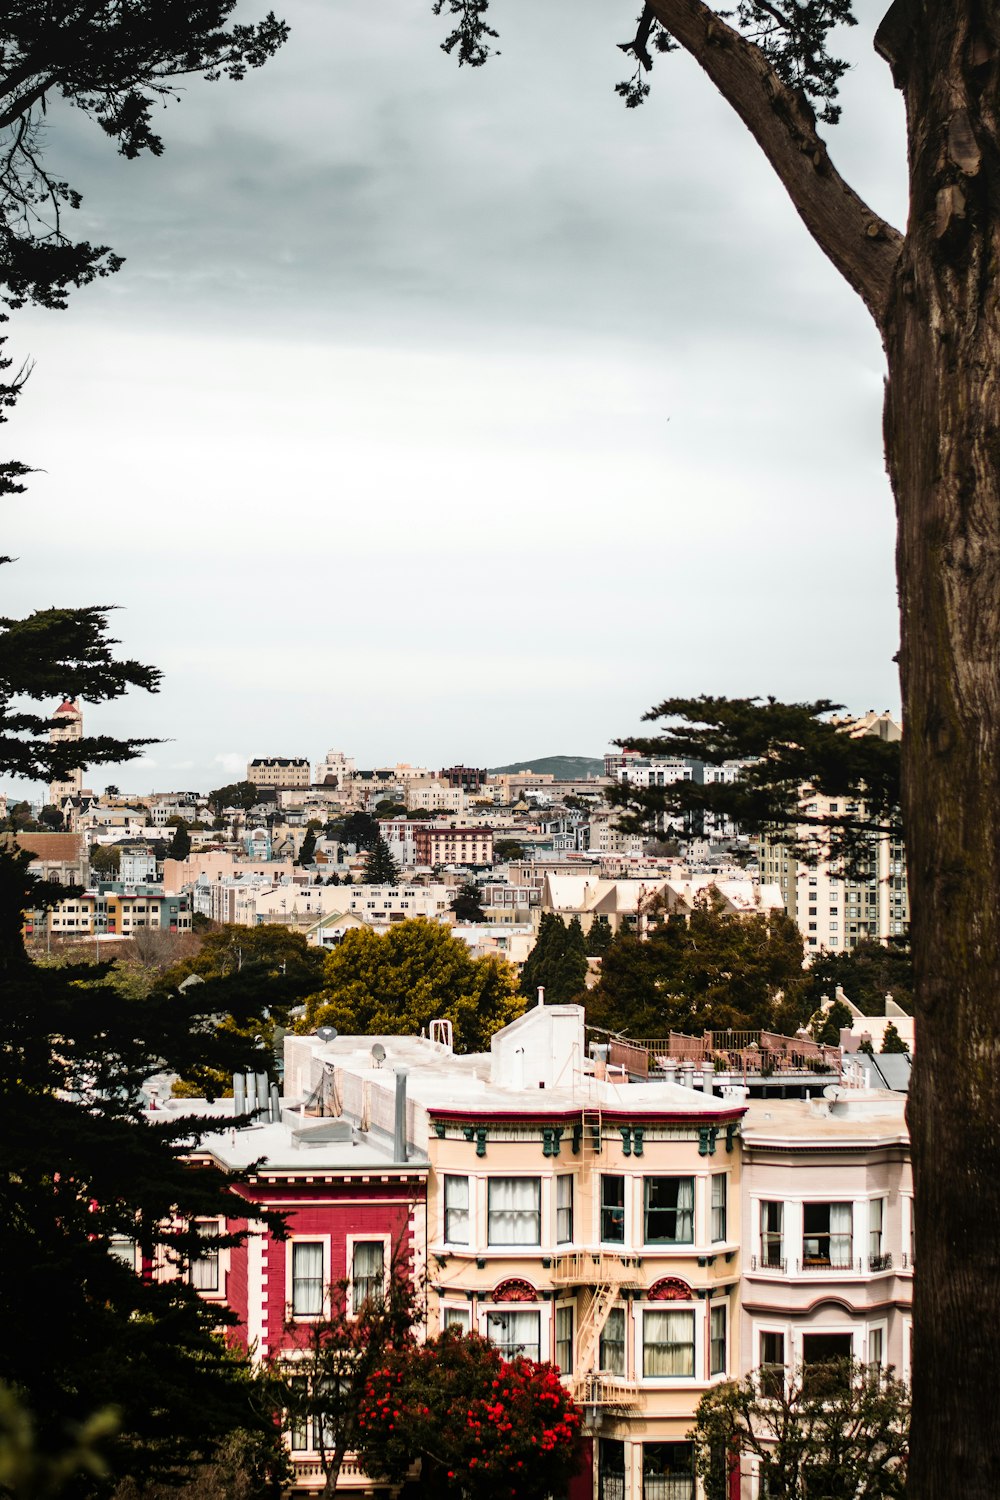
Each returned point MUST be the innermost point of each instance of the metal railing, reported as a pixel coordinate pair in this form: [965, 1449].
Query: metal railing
[760, 1053]
[605, 1391]
[882, 1262]
[765, 1263]
[595, 1267]
[821, 1267]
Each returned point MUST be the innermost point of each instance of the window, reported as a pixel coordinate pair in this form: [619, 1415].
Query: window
[719, 1206]
[307, 1279]
[123, 1248]
[613, 1210]
[667, 1471]
[299, 1426]
[456, 1210]
[204, 1272]
[456, 1317]
[827, 1236]
[772, 1365]
[667, 1344]
[669, 1210]
[515, 1333]
[771, 1217]
[825, 1361]
[564, 1339]
[564, 1209]
[876, 1349]
[515, 1211]
[610, 1469]
[717, 1339]
[876, 1217]
[612, 1351]
[367, 1273]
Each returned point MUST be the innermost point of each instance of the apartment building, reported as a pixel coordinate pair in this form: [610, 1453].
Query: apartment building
[452, 844]
[279, 771]
[573, 1216]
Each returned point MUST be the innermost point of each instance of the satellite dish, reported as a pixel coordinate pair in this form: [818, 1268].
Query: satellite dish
[378, 1054]
[327, 1033]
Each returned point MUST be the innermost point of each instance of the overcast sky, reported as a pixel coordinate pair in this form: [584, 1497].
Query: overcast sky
[442, 414]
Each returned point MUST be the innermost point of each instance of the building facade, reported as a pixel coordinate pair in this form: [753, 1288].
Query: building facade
[67, 724]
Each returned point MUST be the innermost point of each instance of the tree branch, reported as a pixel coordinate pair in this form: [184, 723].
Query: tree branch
[862, 246]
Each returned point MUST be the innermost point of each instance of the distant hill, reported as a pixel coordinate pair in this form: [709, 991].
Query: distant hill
[562, 767]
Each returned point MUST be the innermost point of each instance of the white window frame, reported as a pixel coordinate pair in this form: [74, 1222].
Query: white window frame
[447, 1318]
[570, 1307]
[366, 1239]
[529, 1246]
[306, 1239]
[465, 1244]
[558, 1208]
[878, 1325]
[214, 1228]
[699, 1362]
[544, 1322]
[785, 1333]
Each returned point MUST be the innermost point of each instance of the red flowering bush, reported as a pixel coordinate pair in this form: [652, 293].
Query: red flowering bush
[482, 1426]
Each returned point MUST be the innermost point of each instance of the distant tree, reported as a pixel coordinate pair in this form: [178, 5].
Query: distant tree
[467, 903]
[324, 1383]
[599, 937]
[865, 1046]
[357, 828]
[420, 815]
[866, 974]
[558, 961]
[839, 1431]
[788, 746]
[51, 818]
[380, 867]
[111, 790]
[827, 1024]
[712, 971]
[400, 982]
[505, 850]
[389, 808]
[105, 860]
[307, 852]
[241, 794]
[180, 844]
[892, 1041]
[480, 1426]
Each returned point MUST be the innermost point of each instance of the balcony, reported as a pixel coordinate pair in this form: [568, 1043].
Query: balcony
[606, 1391]
[770, 1265]
[596, 1267]
[826, 1266]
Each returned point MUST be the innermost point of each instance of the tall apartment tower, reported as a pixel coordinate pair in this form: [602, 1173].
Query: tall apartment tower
[67, 725]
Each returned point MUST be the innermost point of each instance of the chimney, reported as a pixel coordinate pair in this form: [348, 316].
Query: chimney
[251, 1093]
[239, 1094]
[707, 1078]
[399, 1134]
[262, 1092]
[275, 1105]
[541, 994]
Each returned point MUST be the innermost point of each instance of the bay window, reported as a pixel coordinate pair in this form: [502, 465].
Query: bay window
[564, 1209]
[827, 1236]
[669, 1210]
[456, 1210]
[717, 1340]
[612, 1349]
[667, 1343]
[515, 1332]
[718, 1206]
[515, 1211]
[612, 1209]
[564, 1339]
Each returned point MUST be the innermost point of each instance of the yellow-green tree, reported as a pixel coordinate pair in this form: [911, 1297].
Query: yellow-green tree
[400, 982]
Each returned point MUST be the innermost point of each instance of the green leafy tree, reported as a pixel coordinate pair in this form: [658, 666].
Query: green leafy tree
[236, 794]
[307, 852]
[836, 1431]
[558, 961]
[357, 828]
[380, 867]
[388, 808]
[712, 971]
[105, 861]
[505, 850]
[892, 1041]
[480, 1426]
[828, 1023]
[397, 983]
[180, 844]
[324, 1386]
[599, 937]
[467, 903]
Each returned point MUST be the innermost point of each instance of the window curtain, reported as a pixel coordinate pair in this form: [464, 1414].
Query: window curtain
[685, 1210]
[456, 1210]
[841, 1217]
[307, 1280]
[612, 1353]
[369, 1272]
[515, 1210]
[205, 1268]
[515, 1333]
[668, 1344]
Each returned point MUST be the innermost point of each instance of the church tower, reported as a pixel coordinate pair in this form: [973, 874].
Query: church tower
[68, 725]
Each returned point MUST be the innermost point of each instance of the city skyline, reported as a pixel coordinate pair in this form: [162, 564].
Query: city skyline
[437, 406]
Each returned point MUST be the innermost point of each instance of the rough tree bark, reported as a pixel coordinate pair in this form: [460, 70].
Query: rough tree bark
[935, 297]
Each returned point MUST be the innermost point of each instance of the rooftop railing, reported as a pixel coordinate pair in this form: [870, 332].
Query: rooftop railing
[746, 1052]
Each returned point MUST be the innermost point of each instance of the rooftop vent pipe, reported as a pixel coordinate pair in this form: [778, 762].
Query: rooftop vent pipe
[399, 1133]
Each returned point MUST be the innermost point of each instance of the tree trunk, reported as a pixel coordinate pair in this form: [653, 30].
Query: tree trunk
[942, 425]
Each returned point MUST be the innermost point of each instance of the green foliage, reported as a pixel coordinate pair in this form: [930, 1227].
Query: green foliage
[790, 745]
[34, 1470]
[892, 1041]
[335, 1358]
[357, 828]
[467, 903]
[105, 860]
[558, 961]
[505, 850]
[714, 971]
[599, 937]
[307, 852]
[837, 1431]
[241, 794]
[481, 1426]
[246, 1466]
[827, 1024]
[380, 867]
[180, 844]
[866, 974]
[387, 808]
[398, 983]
